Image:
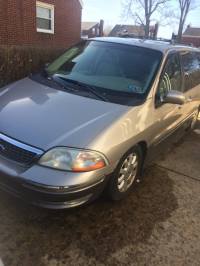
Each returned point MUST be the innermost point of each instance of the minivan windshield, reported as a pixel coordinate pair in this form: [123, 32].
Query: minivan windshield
[109, 67]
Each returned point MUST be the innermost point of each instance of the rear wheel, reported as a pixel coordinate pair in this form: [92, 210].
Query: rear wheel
[126, 174]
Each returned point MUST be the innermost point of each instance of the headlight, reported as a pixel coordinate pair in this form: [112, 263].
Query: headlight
[73, 160]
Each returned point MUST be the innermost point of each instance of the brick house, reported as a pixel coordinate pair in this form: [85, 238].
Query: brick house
[134, 31]
[92, 29]
[191, 36]
[46, 23]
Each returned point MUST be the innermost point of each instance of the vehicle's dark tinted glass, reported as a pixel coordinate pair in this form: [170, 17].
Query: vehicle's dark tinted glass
[197, 74]
[188, 61]
[191, 67]
[171, 78]
[110, 66]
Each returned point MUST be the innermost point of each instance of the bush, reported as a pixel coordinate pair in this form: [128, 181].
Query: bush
[17, 62]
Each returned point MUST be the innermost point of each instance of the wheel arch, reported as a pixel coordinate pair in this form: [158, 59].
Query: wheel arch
[143, 146]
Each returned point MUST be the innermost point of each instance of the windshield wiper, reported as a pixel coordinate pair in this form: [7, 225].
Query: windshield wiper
[61, 82]
[83, 86]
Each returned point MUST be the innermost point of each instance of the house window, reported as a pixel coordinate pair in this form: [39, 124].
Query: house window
[44, 17]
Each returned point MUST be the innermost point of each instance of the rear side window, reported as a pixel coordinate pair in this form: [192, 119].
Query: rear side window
[197, 70]
[191, 67]
[188, 62]
[197, 54]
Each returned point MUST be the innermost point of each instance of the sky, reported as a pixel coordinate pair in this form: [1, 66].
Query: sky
[111, 12]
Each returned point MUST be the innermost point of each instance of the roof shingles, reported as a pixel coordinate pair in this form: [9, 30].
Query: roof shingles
[88, 25]
[129, 29]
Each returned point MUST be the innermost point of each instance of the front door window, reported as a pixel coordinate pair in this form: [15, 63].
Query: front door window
[171, 78]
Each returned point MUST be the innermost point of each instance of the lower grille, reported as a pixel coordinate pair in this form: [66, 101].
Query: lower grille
[17, 151]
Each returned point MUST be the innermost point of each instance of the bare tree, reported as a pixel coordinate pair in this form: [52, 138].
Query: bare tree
[185, 7]
[142, 11]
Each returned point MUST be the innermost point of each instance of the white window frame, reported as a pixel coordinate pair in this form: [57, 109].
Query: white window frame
[48, 6]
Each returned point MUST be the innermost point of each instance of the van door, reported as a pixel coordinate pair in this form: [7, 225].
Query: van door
[191, 71]
[168, 116]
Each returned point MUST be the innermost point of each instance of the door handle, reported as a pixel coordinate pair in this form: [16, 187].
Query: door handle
[187, 75]
[189, 99]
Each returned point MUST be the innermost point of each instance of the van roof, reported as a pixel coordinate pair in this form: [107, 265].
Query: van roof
[162, 46]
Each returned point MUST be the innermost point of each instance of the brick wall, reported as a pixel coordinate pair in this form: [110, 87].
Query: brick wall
[191, 40]
[3, 21]
[18, 23]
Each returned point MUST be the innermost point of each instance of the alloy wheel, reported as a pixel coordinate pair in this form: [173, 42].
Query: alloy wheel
[128, 172]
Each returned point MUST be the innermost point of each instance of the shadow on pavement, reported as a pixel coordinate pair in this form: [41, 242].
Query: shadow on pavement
[97, 231]
[192, 136]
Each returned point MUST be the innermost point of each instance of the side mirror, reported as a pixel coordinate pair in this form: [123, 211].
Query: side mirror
[175, 97]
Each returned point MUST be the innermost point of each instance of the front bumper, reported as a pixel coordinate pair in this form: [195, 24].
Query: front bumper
[50, 188]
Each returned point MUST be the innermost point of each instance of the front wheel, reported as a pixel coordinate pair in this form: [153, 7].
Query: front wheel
[126, 174]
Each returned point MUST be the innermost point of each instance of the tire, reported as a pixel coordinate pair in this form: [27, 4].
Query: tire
[116, 190]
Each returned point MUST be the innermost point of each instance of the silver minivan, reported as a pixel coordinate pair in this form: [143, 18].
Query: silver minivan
[93, 118]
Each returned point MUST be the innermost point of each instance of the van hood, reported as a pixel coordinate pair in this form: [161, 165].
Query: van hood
[45, 117]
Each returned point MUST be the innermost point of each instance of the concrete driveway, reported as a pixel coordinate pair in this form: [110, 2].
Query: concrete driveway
[159, 224]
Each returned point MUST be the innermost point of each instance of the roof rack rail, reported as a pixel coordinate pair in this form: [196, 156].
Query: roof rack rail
[143, 38]
[169, 41]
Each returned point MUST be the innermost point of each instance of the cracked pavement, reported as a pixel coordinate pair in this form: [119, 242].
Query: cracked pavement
[158, 224]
